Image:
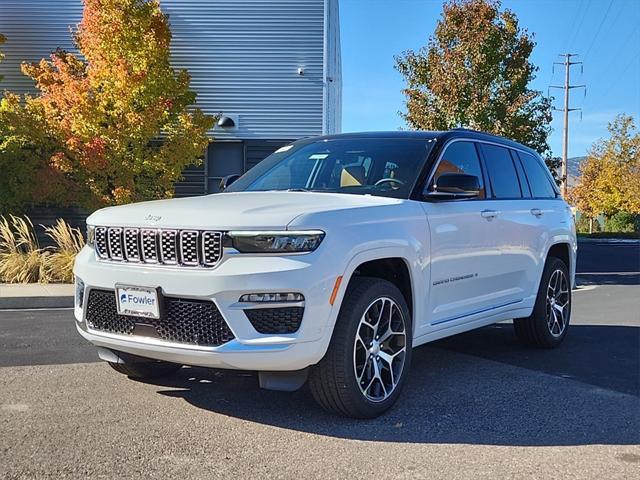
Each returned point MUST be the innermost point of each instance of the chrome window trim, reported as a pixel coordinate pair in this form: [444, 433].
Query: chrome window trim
[475, 140]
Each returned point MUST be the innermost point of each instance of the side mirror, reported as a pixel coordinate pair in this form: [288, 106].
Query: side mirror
[452, 186]
[226, 182]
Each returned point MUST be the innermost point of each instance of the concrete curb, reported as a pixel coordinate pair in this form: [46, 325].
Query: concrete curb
[25, 296]
[12, 303]
[609, 240]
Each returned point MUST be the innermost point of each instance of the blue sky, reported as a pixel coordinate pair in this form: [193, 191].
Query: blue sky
[606, 34]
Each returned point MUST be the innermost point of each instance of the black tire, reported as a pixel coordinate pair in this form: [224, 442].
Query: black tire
[535, 329]
[145, 368]
[333, 382]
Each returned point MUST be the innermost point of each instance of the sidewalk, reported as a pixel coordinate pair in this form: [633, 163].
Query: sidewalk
[608, 240]
[36, 295]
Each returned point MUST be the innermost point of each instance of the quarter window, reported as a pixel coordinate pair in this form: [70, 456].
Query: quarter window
[502, 172]
[460, 157]
[538, 177]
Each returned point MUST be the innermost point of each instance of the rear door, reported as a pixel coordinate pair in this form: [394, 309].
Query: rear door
[515, 227]
[546, 211]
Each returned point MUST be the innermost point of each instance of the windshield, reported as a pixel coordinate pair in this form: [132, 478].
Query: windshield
[363, 166]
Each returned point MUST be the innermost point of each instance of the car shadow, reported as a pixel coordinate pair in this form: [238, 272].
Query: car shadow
[480, 387]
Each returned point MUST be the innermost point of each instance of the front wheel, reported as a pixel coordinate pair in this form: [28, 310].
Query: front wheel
[547, 325]
[365, 367]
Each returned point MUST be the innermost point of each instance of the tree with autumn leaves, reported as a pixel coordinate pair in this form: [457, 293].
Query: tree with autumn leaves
[475, 73]
[118, 115]
[609, 181]
[2, 40]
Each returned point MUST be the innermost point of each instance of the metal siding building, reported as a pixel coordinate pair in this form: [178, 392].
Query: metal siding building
[272, 66]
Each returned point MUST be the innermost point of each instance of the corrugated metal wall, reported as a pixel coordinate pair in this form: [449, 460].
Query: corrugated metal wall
[243, 56]
[34, 28]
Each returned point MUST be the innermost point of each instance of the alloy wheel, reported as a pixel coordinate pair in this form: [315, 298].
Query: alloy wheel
[558, 303]
[380, 349]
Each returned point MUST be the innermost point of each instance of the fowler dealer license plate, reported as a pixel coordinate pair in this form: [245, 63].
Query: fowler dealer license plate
[137, 301]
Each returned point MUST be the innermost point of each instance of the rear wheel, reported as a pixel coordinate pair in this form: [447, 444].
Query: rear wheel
[547, 325]
[144, 368]
[365, 367]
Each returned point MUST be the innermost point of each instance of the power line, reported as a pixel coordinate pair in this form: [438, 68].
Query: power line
[608, 69]
[577, 26]
[617, 78]
[567, 87]
[595, 37]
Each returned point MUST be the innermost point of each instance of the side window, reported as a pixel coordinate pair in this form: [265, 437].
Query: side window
[524, 185]
[460, 157]
[502, 172]
[541, 186]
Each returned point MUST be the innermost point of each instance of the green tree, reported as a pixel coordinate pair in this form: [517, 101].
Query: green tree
[475, 73]
[120, 113]
[609, 181]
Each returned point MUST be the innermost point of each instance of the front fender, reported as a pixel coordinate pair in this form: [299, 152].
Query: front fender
[409, 255]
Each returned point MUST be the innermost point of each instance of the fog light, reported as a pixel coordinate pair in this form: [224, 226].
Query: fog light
[79, 292]
[272, 297]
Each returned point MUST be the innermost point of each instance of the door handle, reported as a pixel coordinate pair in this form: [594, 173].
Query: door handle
[489, 214]
[537, 212]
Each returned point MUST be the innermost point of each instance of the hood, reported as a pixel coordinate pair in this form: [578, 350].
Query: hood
[235, 210]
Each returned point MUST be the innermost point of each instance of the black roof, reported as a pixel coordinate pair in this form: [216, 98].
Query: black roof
[429, 135]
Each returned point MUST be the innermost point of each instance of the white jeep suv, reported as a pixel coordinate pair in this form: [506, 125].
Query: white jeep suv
[330, 260]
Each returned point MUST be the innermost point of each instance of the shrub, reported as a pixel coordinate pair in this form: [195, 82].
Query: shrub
[622, 222]
[584, 225]
[24, 151]
[21, 258]
[59, 262]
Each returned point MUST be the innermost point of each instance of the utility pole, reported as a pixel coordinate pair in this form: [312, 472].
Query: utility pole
[565, 132]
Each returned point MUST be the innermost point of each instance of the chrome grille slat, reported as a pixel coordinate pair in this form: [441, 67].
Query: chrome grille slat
[149, 245]
[114, 243]
[132, 244]
[189, 247]
[170, 247]
[211, 248]
[101, 242]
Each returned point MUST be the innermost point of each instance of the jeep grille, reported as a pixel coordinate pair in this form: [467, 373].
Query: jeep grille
[190, 248]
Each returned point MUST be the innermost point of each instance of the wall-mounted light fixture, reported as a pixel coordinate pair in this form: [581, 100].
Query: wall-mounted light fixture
[226, 122]
[300, 71]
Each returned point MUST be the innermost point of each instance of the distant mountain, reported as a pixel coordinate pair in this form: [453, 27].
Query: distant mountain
[573, 170]
[573, 166]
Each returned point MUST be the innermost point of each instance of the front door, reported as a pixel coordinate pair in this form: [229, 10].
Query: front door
[463, 245]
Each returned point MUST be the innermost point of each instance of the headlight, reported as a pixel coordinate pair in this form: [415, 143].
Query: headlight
[276, 242]
[91, 235]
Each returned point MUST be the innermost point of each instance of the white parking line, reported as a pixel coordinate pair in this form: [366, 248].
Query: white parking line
[584, 288]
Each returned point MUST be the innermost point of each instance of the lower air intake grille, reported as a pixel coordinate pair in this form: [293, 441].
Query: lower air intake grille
[275, 320]
[194, 322]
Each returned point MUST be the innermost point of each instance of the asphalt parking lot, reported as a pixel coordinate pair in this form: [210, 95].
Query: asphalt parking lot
[477, 405]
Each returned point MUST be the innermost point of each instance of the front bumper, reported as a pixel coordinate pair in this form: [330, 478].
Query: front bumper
[237, 274]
